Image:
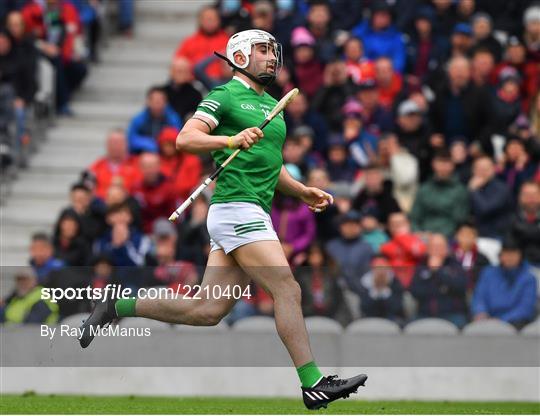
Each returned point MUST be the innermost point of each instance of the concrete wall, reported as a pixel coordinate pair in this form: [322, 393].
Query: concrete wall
[202, 362]
[393, 383]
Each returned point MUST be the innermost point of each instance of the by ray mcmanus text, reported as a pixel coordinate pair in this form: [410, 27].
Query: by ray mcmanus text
[97, 331]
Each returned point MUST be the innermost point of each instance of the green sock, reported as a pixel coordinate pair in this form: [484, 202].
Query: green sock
[125, 307]
[309, 374]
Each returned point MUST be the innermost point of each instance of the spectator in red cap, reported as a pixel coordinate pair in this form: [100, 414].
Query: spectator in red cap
[308, 70]
[115, 164]
[154, 192]
[405, 250]
[209, 37]
[389, 82]
[182, 169]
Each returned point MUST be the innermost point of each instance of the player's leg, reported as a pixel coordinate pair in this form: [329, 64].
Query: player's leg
[265, 263]
[221, 271]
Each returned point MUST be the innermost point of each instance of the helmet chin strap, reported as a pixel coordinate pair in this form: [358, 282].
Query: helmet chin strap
[264, 79]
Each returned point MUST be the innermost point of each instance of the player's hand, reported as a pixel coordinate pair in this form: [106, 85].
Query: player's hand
[316, 199]
[247, 138]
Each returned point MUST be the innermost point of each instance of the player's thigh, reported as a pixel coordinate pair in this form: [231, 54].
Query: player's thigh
[266, 264]
[222, 274]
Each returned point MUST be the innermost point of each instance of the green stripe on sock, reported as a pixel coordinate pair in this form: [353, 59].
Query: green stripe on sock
[309, 374]
[247, 224]
[125, 307]
[248, 230]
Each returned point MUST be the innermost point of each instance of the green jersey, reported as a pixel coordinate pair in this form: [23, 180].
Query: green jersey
[252, 176]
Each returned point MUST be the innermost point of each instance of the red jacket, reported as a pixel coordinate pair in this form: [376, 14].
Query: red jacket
[34, 23]
[184, 172]
[388, 94]
[404, 253]
[105, 171]
[156, 201]
[199, 46]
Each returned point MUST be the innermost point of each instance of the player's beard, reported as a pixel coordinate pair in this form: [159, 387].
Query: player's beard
[263, 71]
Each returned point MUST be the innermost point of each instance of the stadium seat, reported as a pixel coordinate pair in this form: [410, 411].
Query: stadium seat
[321, 324]
[143, 323]
[431, 326]
[377, 326]
[490, 248]
[532, 329]
[255, 324]
[75, 320]
[489, 327]
[220, 327]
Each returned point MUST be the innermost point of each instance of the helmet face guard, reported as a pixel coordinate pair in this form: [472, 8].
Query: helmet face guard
[246, 42]
[272, 64]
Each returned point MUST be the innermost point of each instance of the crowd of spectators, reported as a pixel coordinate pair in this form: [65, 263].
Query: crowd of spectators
[424, 124]
[39, 38]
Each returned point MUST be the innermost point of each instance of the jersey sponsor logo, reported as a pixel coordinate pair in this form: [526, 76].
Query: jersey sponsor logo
[210, 104]
[247, 107]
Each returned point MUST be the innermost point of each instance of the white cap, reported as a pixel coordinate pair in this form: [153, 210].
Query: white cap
[532, 14]
[409, 107]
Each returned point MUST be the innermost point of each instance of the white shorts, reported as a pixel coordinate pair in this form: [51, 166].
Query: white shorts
[233, 224]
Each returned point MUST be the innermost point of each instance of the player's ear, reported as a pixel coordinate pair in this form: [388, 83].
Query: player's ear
[239, 58]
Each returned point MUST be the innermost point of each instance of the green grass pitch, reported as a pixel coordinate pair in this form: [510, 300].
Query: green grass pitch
[31, 403]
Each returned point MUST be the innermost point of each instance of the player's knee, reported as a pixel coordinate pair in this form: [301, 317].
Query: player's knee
[288, 289]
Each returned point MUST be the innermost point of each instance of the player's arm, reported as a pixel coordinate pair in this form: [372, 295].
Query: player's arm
[317, 199]
[195, 137]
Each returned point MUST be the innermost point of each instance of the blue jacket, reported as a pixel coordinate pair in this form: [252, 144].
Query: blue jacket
[132, 253]
[509, 295]
[361, 147]
[144, 130]
[388, 42]
[43, 271]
